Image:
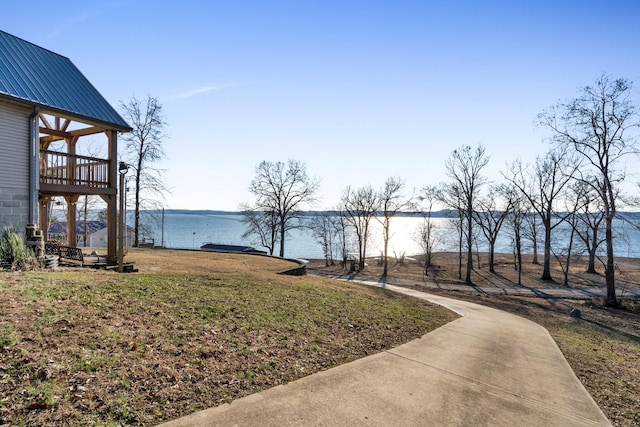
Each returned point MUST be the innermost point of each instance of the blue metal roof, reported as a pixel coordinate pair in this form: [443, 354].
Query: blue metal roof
[92, 227]
[37, 76]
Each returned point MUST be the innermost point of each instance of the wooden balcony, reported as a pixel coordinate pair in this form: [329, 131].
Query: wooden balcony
[62, 173]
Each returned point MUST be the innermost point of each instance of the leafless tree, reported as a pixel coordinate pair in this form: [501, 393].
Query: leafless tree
[451, 197]
[490, 219]
[563, 253]
[425, 236]
[342, 226]
[261, 225]
[515, 221]
[543, 188]
[464, 167]
[530, 229]
[143, 150]
[601, 126]
[284, 189]
[589, 219]
[325, 227]
[359, 207]
[392, 200]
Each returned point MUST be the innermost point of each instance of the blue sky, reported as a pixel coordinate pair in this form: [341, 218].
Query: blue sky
[358, 90]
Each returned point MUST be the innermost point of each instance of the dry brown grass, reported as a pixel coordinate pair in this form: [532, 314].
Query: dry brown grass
[191, 330]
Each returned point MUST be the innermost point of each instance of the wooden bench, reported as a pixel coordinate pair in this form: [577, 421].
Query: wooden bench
[71, 255]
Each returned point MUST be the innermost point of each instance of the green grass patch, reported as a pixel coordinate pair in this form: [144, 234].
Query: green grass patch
[8, 335]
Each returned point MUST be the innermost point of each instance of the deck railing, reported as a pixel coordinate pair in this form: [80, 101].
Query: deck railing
[72, 170]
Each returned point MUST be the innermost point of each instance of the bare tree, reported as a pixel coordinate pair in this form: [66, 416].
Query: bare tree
[542, 188]
[564, 252]
[464, 167]
[284, 189]
[490, 220]
[360, 206]
[261, 225]
[451, 196]
[323, 228]
[425, 234]
[600, 125]
[589, 218]
[143, 150]
[341, 225]
[392, 200]
[530, 229]
[516, 218]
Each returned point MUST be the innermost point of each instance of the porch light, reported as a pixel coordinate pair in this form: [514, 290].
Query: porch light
[123, 168]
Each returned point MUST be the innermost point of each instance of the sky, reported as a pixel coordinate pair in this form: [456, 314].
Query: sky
[357, 90]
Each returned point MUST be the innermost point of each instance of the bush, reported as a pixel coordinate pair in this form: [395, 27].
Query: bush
[14, 254]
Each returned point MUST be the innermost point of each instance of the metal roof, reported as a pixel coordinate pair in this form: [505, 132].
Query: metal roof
[92, 227]
[36, 76]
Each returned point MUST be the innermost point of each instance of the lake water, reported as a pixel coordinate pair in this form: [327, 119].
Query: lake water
[192, 229]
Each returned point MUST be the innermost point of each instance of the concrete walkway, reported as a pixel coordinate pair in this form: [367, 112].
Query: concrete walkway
[487, 368]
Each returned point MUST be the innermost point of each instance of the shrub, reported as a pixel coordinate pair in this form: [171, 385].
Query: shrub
[14, 254]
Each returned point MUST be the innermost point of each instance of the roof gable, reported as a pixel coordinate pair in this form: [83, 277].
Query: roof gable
[37, 76]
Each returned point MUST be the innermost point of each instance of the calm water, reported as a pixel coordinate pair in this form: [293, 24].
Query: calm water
[190, 230]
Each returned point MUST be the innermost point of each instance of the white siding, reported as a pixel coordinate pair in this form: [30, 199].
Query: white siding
[14, 146]
[14, 164]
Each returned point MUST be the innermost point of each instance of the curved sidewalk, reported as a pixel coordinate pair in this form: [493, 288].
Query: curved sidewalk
[486, 368]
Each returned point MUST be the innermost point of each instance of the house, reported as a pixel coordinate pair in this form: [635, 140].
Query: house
[96, 233]
[47, 109]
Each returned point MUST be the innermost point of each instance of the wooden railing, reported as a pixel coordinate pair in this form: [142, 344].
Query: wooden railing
[68, 170]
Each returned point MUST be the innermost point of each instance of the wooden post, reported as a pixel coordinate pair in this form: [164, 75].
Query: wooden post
[72, 215]
[71, 162]
[44, 216]
[112, 215]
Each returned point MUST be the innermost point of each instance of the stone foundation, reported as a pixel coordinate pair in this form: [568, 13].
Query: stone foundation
[14, 208]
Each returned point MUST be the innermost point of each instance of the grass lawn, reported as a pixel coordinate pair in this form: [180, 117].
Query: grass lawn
[191, 330]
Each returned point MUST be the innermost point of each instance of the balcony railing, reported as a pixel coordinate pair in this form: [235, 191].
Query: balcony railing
[73, 170]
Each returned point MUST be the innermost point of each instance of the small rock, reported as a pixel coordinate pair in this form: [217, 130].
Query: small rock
[575, 313]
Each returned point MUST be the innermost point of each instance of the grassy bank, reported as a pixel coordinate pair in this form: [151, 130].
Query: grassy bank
[188, 332]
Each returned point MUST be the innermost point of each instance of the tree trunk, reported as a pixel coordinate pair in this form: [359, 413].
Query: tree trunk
[546, 268]
[492, 246]
[467, 278]
[568, 266]
[363, 247]
[386, 248]
[611, 301]
[591, 265]
[518, 254]
[136, 222]
[282, 228]
[460, 251]
[427, 258]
